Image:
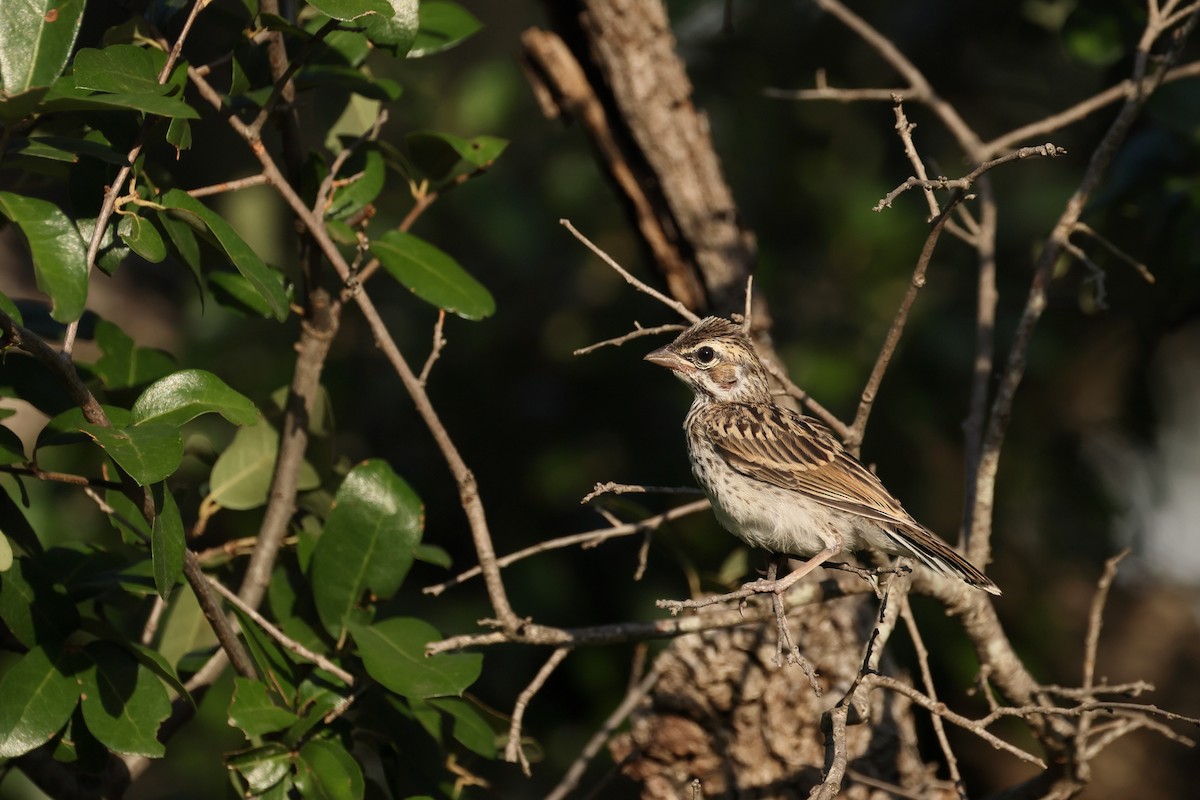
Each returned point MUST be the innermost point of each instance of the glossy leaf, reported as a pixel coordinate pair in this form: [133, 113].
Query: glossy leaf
[185, 395]
[59, 253]
[262, 767]
[179, 135]
[236, 293]
[393, 652]
[167, 545]
[123, 703]
[326, 771]
[241, 476]
[36, 38]
[253, 712]
[396, 33]
[244, 259]
[442, 26]
[122, 364]
[367, 545]
[6, 554]
[346, 10]
[149, 453]
[40, 692]
[120, 68]
[142, 237]
[433, 275]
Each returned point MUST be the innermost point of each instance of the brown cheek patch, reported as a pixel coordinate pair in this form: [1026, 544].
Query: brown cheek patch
[724, 375]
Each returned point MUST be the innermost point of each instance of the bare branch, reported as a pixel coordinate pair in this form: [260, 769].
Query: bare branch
[513, 752]
[678, 307]
[637, 333]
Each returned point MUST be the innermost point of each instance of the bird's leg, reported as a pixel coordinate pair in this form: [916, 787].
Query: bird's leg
[833, 546]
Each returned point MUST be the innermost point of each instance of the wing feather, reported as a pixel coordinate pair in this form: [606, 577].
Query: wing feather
[777, 446]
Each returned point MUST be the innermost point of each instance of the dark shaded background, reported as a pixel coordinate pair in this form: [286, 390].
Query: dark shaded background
[1102, 453]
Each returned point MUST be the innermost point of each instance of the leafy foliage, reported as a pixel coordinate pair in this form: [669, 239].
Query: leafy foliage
[171, 449]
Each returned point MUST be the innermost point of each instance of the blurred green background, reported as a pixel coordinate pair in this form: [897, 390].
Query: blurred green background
[1104, 447]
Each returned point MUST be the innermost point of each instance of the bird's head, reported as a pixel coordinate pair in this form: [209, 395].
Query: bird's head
[717, 360]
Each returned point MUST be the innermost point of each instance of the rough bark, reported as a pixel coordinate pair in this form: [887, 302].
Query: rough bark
[725, 715]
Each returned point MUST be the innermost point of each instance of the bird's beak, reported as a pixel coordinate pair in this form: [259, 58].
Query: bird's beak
[664, 357]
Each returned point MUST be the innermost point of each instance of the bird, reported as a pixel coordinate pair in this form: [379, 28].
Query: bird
[780, 480]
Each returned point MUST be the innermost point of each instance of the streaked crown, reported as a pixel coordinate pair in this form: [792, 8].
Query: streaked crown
[717, 360]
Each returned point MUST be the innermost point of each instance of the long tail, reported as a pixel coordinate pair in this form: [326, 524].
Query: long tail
[938, 556]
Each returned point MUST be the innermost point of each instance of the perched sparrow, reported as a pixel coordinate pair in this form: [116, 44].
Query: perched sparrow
[779, 480]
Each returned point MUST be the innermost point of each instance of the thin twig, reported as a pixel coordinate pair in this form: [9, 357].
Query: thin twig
[229, 186]
[675, 305]
[637, 333]
[1141, 268]
[513, 752]
[634, 696]
[281, 637]
[627, 488]
[939, 728]
[435, 351]
[590, 538]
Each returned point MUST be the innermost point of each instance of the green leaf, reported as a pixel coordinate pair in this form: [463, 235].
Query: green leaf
[32, 607]
[253, 712]
[442, 26]
[10, 308]
[469, 727]
[184, 239]
[12, 449]
[123, 365]
[142, 237]
[432, 554]
[432, 275]
[123, 703]
[185, 395]
[369, 171]
[64, 96]
[64, 428]
[167, 545]
[247, 262]
[262, 767]
[149, 453]
[179, 135]
[346, 80]
[6, 554]
[396, 33]
[367, 544]
[346, 10]
[36, 38]
[40, 692]
[326, 771]
[59, 254]
[120, 69]
[442, 156]
[66, 149]
[236, 293]
[393, 652]
[274, 664]
[242, 475]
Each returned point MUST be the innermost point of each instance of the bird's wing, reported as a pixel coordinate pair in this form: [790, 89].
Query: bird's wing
[777, 446]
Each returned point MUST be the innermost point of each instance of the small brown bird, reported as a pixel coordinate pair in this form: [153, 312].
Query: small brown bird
[779, 480]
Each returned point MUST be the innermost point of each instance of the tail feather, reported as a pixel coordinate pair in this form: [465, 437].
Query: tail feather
[938, 556]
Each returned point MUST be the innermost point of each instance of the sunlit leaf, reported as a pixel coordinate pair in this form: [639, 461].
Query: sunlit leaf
[148, 453]
[36, 38]
[40, 692]
[167, 545]
[367, 543]
[59, 254]
[253, 712]
[393, 652]
[432, 275]
[188, 393]
[442, 26]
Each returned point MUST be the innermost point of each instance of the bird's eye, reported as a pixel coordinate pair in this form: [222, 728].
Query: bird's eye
[705, 355]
